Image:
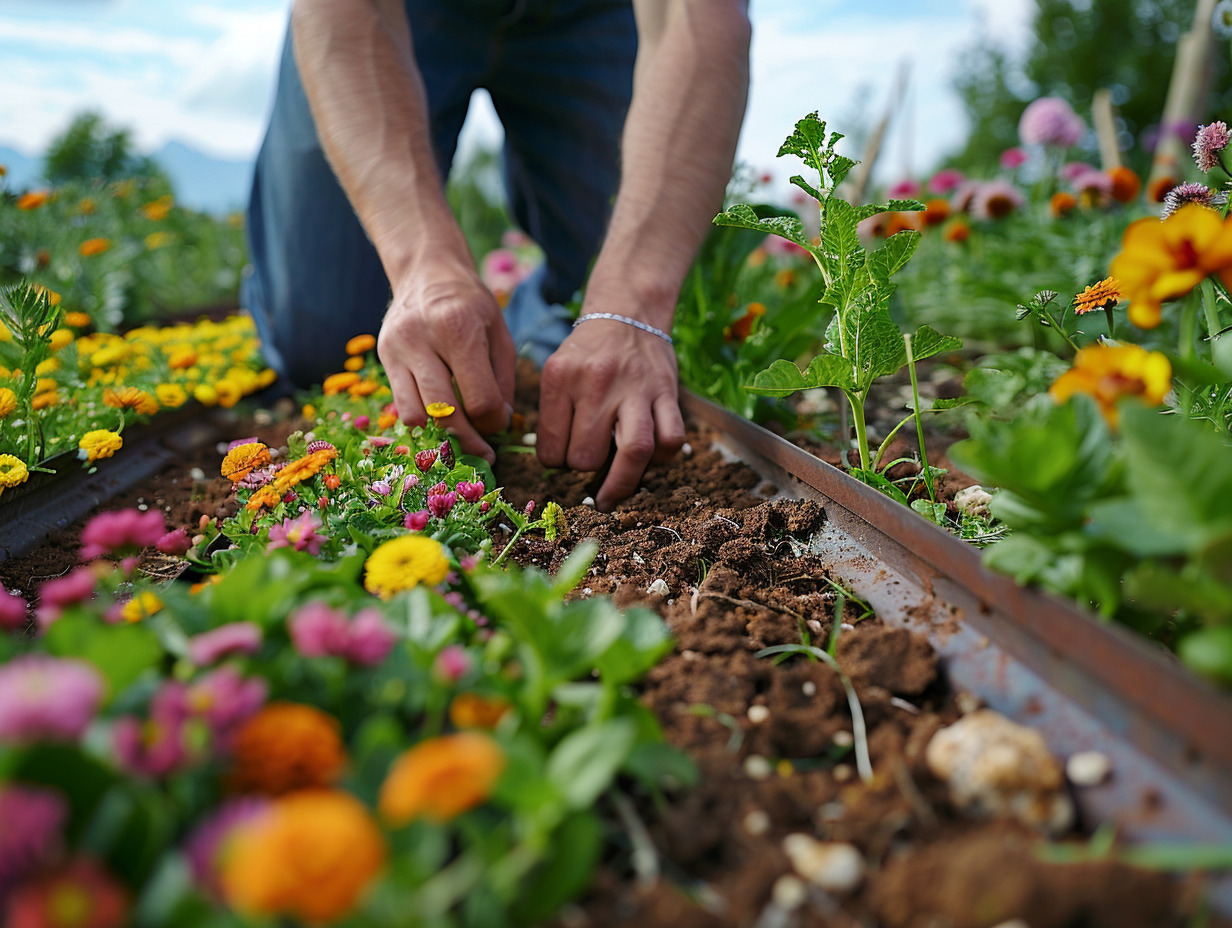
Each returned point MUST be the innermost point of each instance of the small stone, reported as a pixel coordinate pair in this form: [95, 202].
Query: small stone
[262, 417]
[809, 688]
[197, 539]
[1088, 768]
[834, 866]
[310, 437]
[142, 506]
[831, 812]
[221, 447]
[686, 449]
[197, 473]
[757, 822]
[973, 501]
[844, 739]
[758, 714]
[689, 655]
[659, 587]
[841, 773]
[789, 893]
[530, 438]
[757, 767]
[588, 501]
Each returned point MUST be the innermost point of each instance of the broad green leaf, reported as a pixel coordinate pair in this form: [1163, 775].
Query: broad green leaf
[643, 641]
[1023, 557]
[782, 378]
[658, 765]
[892, 257]
[1209, 652]
[874, 344]
[927, 342]
[894, 206]
[1156, 586]
[575, 849]
[808, 143]
[584, 763]
[742, 216]
[574, 568]
[807, 187]
[841, 251]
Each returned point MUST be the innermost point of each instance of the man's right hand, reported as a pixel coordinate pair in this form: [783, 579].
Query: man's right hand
[442, 328]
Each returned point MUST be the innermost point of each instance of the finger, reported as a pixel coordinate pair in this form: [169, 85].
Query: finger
[435, 386]
[406, 396]
[669, 429]
[555, 418]
[504, 364]
[635, 443]
[477, 385]
[590, 437]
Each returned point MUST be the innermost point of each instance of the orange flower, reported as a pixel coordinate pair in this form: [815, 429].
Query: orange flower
[1111, 372]
[302, 469]
[44, 400]
[284, 747]
[1062, 204]
[158, 209]
[441, 778]
[310, 856]
[77, 320]
[363, 388]
[739, 330]
[131, 398]
[1102, 295]
[265, 498]
[1126, 185]
[360, 343]
[1163, 260]
[336, 383]
[93, 246]
[471, 710]
[86, 206]
[354, 364]
[936, 211]
[784, 278]
[1159, 188]
[386, 421]
[332, 481]
[243, 459]
[902, 222]
[33, 200]
[957, 231]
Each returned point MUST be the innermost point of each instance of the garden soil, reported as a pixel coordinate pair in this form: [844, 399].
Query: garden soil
[772, 742]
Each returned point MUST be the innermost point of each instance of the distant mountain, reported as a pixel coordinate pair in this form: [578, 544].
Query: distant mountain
[202, 182]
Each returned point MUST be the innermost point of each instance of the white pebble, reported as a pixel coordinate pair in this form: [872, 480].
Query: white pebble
[142, 506]
[310, 437]
[1088, 768]
[659, 586]
[809, 688]
[686, 449]
[844, 739]
[789, 893]
[262, 417]
[221, 447]
[757, 822]
[834, 866]
[530, 438]
[757, 767]
[973, 500]
[588, 501]
[841, 773]
[758, 714]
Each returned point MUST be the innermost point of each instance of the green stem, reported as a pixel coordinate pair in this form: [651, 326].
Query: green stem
[1210, 309]
[512, 541]
[919, 421]
[857, 415]
[1188, 327]
[1108, 314]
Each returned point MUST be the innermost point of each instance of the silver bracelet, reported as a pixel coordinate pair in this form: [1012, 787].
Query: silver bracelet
[636, 323]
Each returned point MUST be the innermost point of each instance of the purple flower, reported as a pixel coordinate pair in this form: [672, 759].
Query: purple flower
[469, 562]
[441, 504]
[362, 423]
[175, 543]
[1013, 158]
[231, 446]
[1072, 170]
[299, 533]
[945, 181]
[1208, 143]
[121, 531]
[207, 844]
[317, 630]
[1050, 121]
[417, 521]
[1190, 193]
[996, 200]
[232, 638]
[259, 477]
[32, 835]
[381, 488]
[153, 748]
[529, 509]
[964, 196]
[13, 611]
[47, 698]
[224, 700]
[451, 664]
[471, 491]
[370, 639]
[425, 459]
[904, 189]
[412, 481]
[319, 445]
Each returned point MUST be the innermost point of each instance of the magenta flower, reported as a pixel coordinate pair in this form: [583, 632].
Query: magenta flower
[996, 200]
[33, 832]
[319, 445]
[175, 543]
[224, 700]
[425, 459]
[259, 477]
[1072, 170]
[451, 664]
[370, 639]
[380, 488]
[317, 630]
[1211, 139]
[469, 562]
[529, 509]
[471, 491]
[1050, 121]
[441, 504]
[945, 181]
[47, 698]
[781, 247]
[207, 844]
[232, 638]
[1190, 193]
[1013, 158]
[80, 893]
[904, 190]
[380, 441]
[412, 481]
[121, 531]
[231, 446]
[446, 454]
[13, 611]
[438, 489]
[153, 748]
[417, 521]
[299, 533]
[362, 423]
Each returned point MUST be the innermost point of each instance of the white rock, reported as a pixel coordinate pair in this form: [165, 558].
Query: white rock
[789, 893]
[757, 822]
[588, 501]
[1088, 768]
[758, 714]
[973, 500]
[1013, 923]
[757, 767]
[834, 866]
[262, 417]
[808, 688]
[686, 449]
[659, 586]
[197, 473]
[841, 773]
[844, 739]
[530, 438]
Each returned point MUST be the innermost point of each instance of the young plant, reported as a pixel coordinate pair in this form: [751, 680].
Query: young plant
[862, 341]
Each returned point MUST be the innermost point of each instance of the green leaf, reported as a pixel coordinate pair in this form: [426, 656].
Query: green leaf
[807, 187]
[585, 762]
[574, 568]
[1022, 556]
[892, 257]
[660, 765]
[121, 653]
[575, 849]
[1209, 652]
[874, 344]
[782, 378]
[927, 342]
[643, 641]
[742, 216]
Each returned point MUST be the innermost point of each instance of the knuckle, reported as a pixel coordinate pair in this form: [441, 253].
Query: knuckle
[639, 448]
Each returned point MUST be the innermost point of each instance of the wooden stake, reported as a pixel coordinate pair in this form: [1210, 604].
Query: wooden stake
[864, 170]
[1105, 129]
[1185, 92]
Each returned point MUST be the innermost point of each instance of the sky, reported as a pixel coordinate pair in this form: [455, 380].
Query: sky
[202, 73]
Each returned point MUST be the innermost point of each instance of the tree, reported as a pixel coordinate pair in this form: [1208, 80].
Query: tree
[89, 149]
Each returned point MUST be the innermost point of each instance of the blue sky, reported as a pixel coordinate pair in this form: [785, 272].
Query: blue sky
[202, 72]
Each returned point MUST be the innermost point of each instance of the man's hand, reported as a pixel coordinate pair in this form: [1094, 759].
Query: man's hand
[442, 328]
[610, 378]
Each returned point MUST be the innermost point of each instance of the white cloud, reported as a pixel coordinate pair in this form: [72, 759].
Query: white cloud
[64, 39]
[235, 75]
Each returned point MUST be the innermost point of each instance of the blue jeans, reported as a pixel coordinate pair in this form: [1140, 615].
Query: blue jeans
[560, 74]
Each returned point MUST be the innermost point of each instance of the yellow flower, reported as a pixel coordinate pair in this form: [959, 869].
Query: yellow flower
[228, 393]
[405, 562]
[243, 459]
[182, 358]
[61, 338]
[359, 344]
[440, 410]
[141, 606]
[171, 395]
[86, 206]
[205, 395]
[354, 364]
[156, 240]
[1105, 294]
[100, 443]
[336, 383]
[158, 209]
[52, 297]
[441, 778]
[77, 320]
[93, 246]
[138, 401]
[8, 401]
[1163, 260]
[1110, 372]
[13, 471]
[48, 366]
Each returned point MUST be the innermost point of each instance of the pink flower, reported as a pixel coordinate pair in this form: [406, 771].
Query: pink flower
[81, 890]
[369, 639]
[964, 196]
[206, 845]
[259, 477]
[175, 543]
[319, 444]
[446, 454]
[412, 481]
[438, 489]
[425, 459]
[441, 504]
[469, 562]
[121, 531]
[380, 488]
[1211, 139]
[781, 247]
[451, 664]
[153, 748]
[945, 181]
[1094, 187]
[380, 441]
[1013, 158]
[996, 200]
[231, 446]
[1190, 192]
[362, 423]
[13, 610]
[529, 509]
[1072, 170]
[471, 491]
[224, 699]
[515, 238]
[417, 521]
[232, 638]
[47, 698]
[904, 190]
[33, 832]
[299, 533]
[1050, 121]
[317, 630]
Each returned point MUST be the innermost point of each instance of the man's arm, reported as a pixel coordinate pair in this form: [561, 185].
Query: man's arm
[358, 69]
[689, 94]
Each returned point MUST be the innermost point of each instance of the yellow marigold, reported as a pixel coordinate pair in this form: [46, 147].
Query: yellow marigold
[354, 364]
[360, 343]
[301, 469]
[156, 240]
[131, 398]
[45, 384]
[336, 383]
[284, 747]
[405, 562]
[100, 443]
[1163, 260]
[33, 199]
[229, 393]
[61, 338]
[1102, 295]
[13, 471]
[243, 459]
[308, 411]
[141, 606]
[266, 377]
[78, 320]
[309, 858]
[1110, 372]
[205, 395]
[93, 246]
[182, 358]
[440, 410]
[441, 778]
[45, 400]
[171, 395]
[8, 401]
[158, 209]
[386, 420]
[265, 498]
[47, 366]
[86, 206]
[471, 710]
[363, 388]
[52, 297]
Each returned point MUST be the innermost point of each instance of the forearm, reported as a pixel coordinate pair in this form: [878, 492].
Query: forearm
[357, 66]
[679, 141]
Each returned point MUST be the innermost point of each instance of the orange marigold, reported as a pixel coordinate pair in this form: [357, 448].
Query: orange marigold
[957, 231]
[1109, 373]
[33, 199]
[302, 469]
[386, 421]
[363, 388]
[1102, 295]
[93, 246]
[131, 398]
[471, 710]
[353, 364]
[1062, 204]
[310, 856]
[287, 746]
[360, 343]
[77, 320]
[739, 330]
[936, 211]
[44, 400]
[336, 383]
[1126, 185]
[902, 222]
[441, 778]
[265, 498]
[242, 460]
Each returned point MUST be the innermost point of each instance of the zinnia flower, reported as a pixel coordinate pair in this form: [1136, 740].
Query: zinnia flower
[141, 606]
[1062, 204]
[439, 410]
[309, 856]
[47, 698]
[1210, 141]
[98, 444]
[80, 894]
[402, 563]
[13, 471]
[233, 638]
[93, 246]
[1198, 194]
[131, 398]
[742, 328]
[417, 521]
[1050, 121]
[243, 459]
[996, 200]
[1012, 158]
[153, 748]
[360, 343]
[451, 664]
[945, 181]
[287, 746]
[206, 848]
[33, 199]
[1094, 189]
[442, 504]
[1101, 295]
[305, 468]
[1111, 372]
[122, 531]
[337, 383]
[299, 533]
[175, 543]
[904, 190]
[33, 832]
[472, 710]
[470, 490]
[1126, 185]
[441, 778]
